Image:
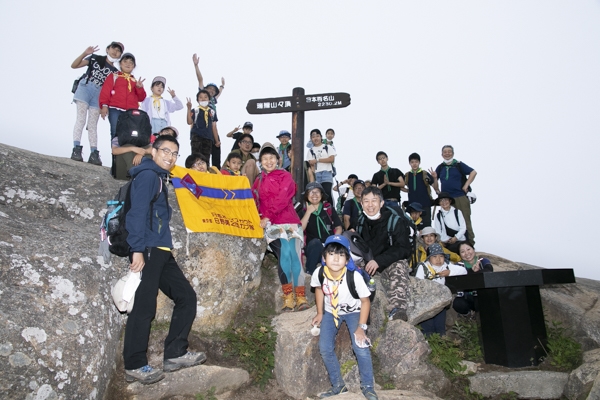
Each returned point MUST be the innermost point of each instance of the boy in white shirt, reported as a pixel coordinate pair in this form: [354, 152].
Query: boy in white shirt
[335, 304]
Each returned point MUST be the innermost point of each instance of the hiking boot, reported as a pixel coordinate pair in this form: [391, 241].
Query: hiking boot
[334, 391]
[95, 158]
[398, 314]
[369, 392]
[76, 154]
[289, 303]
[189, 359]
[301, 302]
[145, 375]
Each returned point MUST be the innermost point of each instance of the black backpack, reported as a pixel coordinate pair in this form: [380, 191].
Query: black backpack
[113, 223]
[409, 227]
[133, 127]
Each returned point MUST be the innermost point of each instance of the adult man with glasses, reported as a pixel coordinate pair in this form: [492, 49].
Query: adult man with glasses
[250, 170]
[147, 223]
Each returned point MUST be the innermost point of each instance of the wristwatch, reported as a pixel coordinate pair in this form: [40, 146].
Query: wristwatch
[364, 326]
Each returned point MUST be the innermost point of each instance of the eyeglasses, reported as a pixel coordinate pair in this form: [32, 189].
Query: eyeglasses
[168, 152]
[198, 163]
[247, 142]
[314, 192]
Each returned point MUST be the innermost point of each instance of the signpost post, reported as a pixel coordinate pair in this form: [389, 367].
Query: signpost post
[297, 103]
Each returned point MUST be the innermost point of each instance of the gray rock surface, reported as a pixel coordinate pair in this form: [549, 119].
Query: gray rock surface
[389, 395]
[428, 298]
[402, 352]
[527, 384]
[585, 377]
[191, 382]
[58, 326]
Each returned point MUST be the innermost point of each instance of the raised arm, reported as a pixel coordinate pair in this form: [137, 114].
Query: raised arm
[221, 88]
[198, 73]
[79, 61]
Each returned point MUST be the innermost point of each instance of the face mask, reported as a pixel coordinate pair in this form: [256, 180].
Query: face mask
[448, 161]
[374, 217]
[256, 154]
[203, 103]
[112, 60]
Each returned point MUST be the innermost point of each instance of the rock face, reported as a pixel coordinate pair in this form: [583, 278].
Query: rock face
[585, 380]
[527, 384]
[58, 326]
[191, 382]
[427, 300]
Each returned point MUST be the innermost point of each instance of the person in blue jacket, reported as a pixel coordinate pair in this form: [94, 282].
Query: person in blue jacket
[147, 223]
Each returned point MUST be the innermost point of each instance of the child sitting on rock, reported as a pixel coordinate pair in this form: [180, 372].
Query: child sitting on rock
[233, 164]
[437, 268]
[335, 304]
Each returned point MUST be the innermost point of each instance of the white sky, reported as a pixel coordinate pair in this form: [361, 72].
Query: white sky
[514, 86]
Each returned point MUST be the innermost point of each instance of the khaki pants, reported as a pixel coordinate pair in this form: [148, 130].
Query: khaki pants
[463, 204]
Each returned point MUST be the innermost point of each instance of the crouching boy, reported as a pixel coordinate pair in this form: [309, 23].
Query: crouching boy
[335, 304]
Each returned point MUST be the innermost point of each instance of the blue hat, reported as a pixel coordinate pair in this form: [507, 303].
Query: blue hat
[284, 133]
[344, 242]
[217, 91]
[436, 249]
[416, 206]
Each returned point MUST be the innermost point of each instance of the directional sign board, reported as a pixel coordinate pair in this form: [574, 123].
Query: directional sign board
[298, 103]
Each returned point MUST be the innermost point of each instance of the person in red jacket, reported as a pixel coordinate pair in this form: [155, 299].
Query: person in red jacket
[121, 92]
[274, 190]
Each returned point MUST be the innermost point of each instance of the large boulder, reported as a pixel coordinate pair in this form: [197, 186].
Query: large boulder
[585, 378]
[427, 299]
[402, 352]
[59, 329]
[526, 384]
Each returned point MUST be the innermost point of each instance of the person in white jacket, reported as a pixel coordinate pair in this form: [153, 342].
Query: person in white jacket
[450, 223]
[159, 109]
[437, 268]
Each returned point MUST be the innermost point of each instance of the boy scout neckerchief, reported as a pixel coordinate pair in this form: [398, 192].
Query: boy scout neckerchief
[448, 166]
[385, 171]
[335, 306]
[128, 78]
[469, 265]
[320, 221]
[205, 109]
[415, 178]
[156, 102]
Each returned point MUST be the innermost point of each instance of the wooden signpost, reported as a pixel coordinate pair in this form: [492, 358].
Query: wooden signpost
[297, 103]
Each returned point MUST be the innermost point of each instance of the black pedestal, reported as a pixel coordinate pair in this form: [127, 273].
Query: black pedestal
[511, 314]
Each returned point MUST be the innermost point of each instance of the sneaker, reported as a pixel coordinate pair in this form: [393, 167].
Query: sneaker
[369, 393]
[398, 314]
[334, 391]
[145, 375]
[189, 359]
[95, 158]
[76, 154]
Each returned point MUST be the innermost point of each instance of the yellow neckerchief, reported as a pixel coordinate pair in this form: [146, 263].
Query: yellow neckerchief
[432, 271]
[418, 221]
[128, 78]
[335, 306]
[205, 109]
[164, 248]
[156, 102]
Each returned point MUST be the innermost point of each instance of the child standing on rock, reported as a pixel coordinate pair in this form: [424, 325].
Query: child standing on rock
[87, 93]
[335, 304]
[159, 109]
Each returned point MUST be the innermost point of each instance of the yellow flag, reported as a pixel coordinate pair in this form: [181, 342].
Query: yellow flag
[216, 203]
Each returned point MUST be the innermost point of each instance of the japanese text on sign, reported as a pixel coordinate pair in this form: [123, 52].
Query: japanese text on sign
[273, 104]
[234, 222]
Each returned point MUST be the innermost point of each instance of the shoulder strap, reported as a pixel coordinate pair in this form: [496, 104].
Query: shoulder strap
[321, 276]
[160, 190]
[351, 284]
[359, 223]
[456, 216]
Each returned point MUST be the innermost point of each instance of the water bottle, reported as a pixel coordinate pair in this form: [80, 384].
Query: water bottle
[371, 285]
[113, 222]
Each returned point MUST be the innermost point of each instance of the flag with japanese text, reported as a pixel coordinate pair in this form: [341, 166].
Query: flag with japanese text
[216, 203]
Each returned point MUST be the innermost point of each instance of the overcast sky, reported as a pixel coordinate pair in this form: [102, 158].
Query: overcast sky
[514, 86]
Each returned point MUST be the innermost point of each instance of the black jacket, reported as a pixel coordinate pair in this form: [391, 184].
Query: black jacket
[375, 233]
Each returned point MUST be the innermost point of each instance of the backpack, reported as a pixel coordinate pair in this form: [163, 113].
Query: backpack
[333, 169]
[451, 232]
[113, 223]
[351, 283]
[410, 230]
[359, 249]
[133, 127]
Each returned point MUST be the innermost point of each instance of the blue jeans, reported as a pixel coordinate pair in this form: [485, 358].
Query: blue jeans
[113, 117]
[433, 325]
[327, 349]
[88, 93]
[324, 176]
